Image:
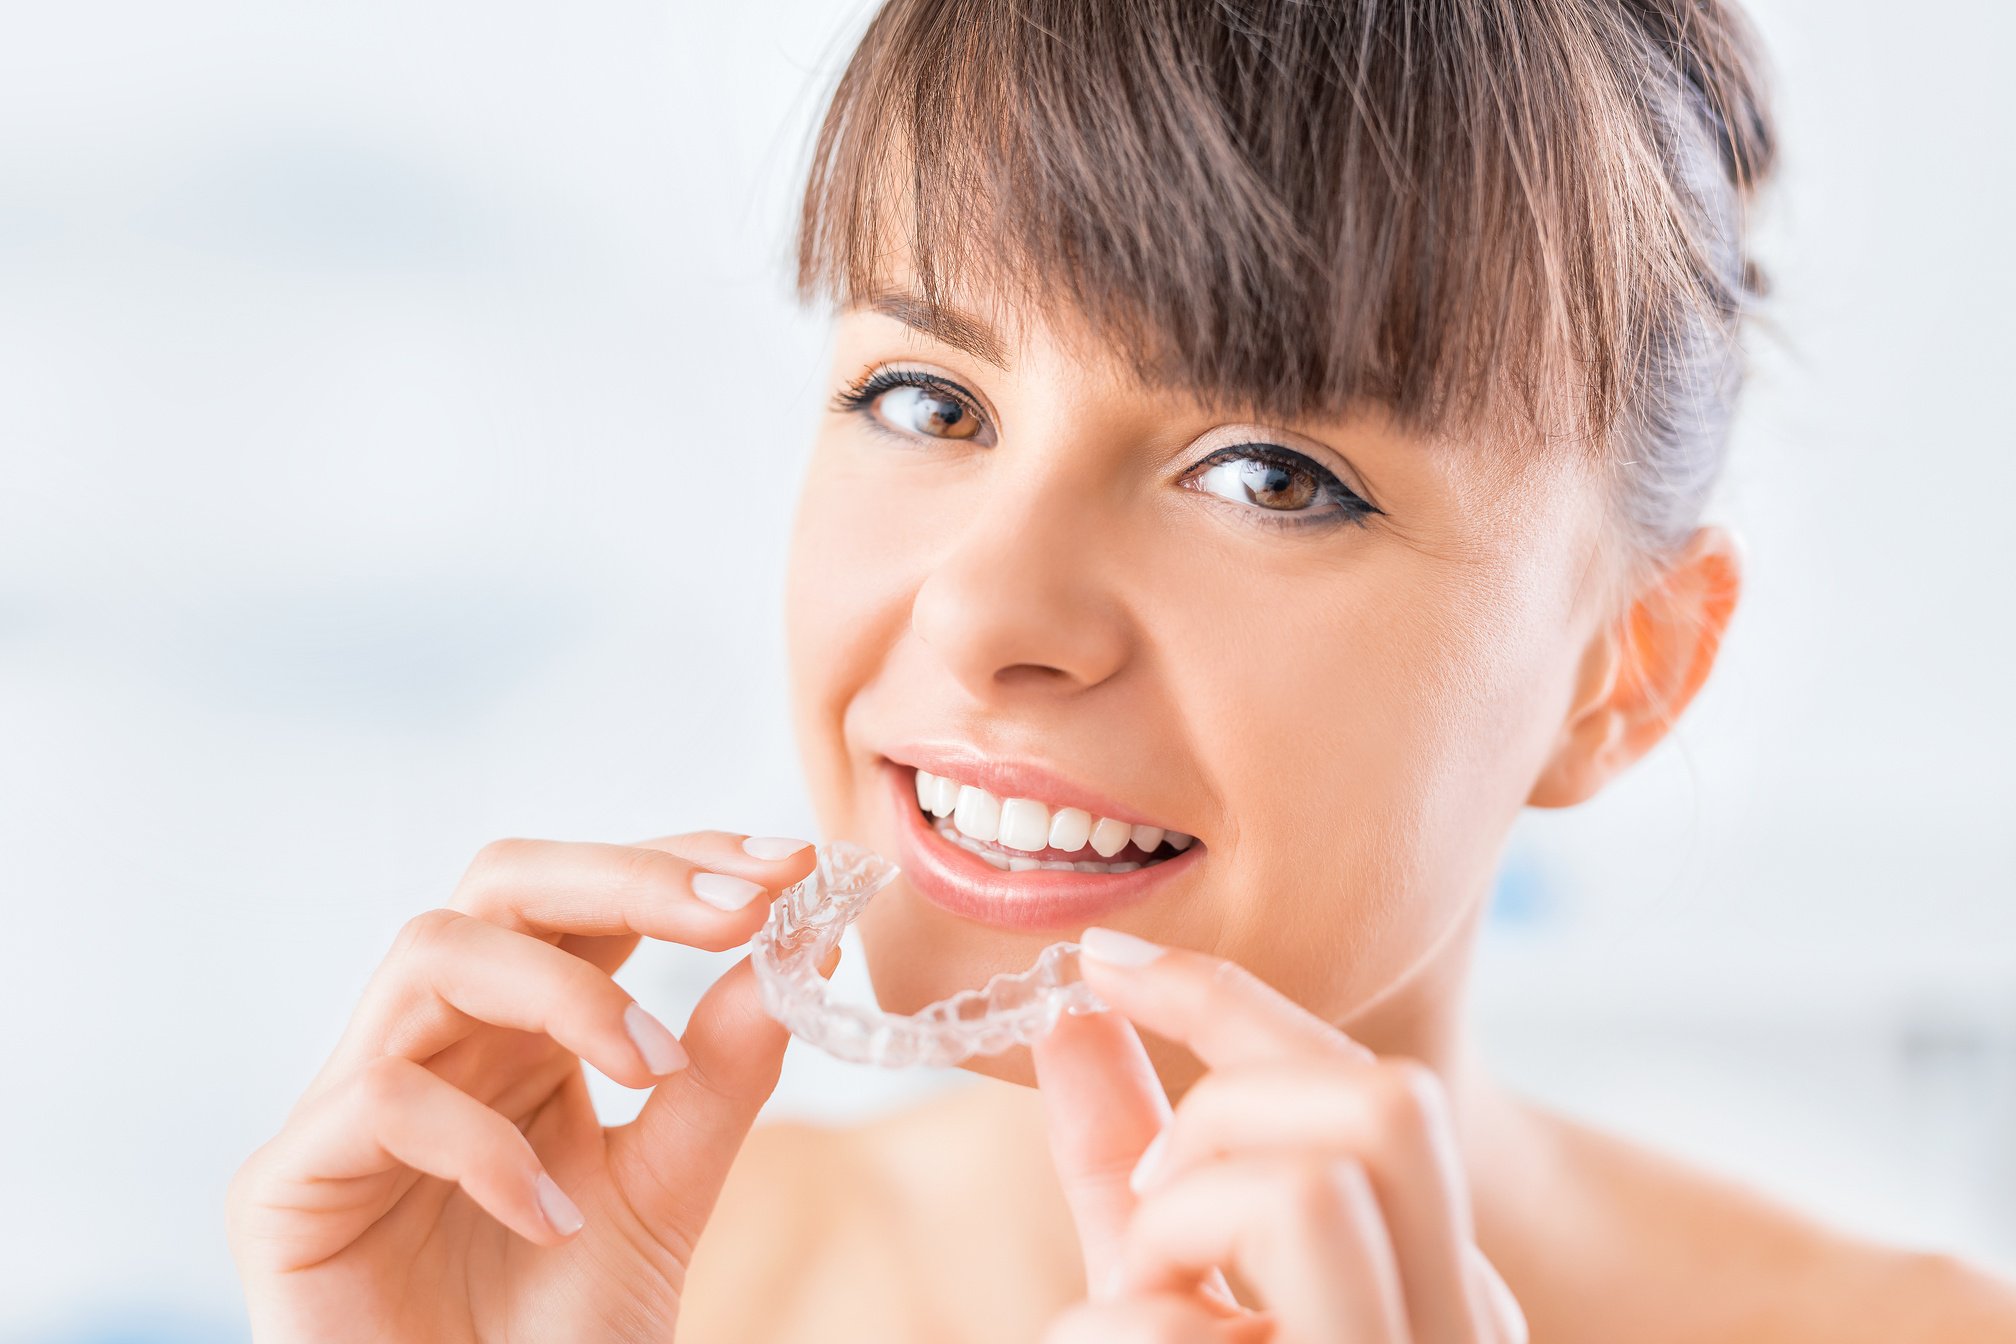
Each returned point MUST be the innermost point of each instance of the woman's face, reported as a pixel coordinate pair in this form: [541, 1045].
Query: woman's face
[1337, 655]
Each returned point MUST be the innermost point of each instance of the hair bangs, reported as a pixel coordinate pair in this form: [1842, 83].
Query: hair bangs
[1448, 210]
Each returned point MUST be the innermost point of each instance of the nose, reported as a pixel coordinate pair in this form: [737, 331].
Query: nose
[1021, 599]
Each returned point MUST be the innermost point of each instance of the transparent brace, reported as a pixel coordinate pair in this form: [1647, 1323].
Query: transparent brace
[805, 924]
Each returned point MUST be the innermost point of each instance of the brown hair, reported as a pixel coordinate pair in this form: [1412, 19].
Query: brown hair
[1443, 207]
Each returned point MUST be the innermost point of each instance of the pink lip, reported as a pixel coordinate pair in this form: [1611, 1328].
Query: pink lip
[970, 887]
[1015, 779]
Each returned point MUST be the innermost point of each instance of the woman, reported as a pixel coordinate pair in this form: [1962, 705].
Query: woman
[1267, 450]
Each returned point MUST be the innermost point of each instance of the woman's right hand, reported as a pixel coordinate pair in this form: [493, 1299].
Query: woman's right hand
[444, 1177]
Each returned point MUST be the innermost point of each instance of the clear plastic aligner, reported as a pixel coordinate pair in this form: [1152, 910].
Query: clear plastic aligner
[806, 922]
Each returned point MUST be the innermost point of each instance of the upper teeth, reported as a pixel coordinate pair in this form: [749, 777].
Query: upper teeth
[1025, 824]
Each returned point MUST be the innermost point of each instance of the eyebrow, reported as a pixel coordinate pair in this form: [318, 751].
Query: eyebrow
[960, 330]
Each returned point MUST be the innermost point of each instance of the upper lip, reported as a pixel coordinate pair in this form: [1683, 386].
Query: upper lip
[1008, 777]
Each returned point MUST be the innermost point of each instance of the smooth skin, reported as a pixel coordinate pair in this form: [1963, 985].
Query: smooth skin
[1349, 719]
[1328, 1179]
[402, 1200]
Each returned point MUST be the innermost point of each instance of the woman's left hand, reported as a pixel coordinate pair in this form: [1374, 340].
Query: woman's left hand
[1327, 1178]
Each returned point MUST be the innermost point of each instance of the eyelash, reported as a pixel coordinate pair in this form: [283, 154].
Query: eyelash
[859, 396]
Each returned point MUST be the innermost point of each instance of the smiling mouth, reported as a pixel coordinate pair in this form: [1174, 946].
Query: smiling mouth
[1024, 834]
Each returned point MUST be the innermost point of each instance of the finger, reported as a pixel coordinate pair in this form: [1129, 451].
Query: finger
[681, 1145]
[660, 889]
[457, 972]
[1496, 1303]
[1161, 1318]
[1392, 1116]
[1220, 1011]
[610, 951]
[391, 1115]
[1307, 1234]
[1103, 1104]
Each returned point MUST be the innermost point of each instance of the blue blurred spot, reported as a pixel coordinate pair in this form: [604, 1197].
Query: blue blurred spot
[139, 1323]
[1522, 896]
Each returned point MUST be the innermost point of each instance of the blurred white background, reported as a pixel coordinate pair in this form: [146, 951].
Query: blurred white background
[400, 410]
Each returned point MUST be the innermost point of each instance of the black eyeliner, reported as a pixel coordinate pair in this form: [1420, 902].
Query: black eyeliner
[1352, 507]
[858, 394]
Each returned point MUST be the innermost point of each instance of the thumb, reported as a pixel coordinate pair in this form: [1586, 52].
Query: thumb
[681, 1145]
[1103, 1105]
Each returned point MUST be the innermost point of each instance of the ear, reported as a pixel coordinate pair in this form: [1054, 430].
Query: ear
[1643, 667]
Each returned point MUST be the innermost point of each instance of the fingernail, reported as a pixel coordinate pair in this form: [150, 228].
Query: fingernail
[772, 846]
[1510, 1313]
[830, 962]
[1145, 1170]
[1117, 948]
[654, 1041]
[1110, 1281]
[559, 1209]
[724, 892]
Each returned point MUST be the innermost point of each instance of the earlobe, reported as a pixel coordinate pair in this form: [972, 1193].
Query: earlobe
[1581, 762]
[1643, 669]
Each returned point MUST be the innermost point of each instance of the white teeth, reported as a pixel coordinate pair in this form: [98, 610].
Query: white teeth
[1022, 863]
[1029, 825]
[1069, 828]
[978, 813]
[1109, 837]
[1025, 824]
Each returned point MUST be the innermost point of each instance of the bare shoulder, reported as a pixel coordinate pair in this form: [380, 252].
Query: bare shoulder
[1961, 1300]
[1718, 1259]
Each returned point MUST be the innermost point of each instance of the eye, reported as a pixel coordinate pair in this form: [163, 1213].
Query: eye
[1280, 482]
[919, 404]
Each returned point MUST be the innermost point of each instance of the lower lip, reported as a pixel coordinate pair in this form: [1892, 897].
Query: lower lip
[967, 885]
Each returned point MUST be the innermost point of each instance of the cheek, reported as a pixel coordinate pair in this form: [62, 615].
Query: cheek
[1375, 735]
[846, 599]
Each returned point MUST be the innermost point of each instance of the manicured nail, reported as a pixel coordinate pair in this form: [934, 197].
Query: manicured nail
[1150, 1164]
[1117, 948]
[559, 1209]
[1509, 1309]
[724, 892]
[772, 846]
[830, 962]
[661, 1049]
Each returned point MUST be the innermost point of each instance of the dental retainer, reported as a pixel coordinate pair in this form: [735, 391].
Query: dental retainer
[806, 922]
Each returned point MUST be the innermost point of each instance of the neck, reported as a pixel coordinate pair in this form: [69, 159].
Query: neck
[1422, 1016]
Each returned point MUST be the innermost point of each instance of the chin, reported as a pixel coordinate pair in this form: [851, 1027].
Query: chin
[918, 953]
[1010, 1066]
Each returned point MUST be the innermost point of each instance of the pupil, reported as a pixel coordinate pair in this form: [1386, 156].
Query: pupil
[1271, 478]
